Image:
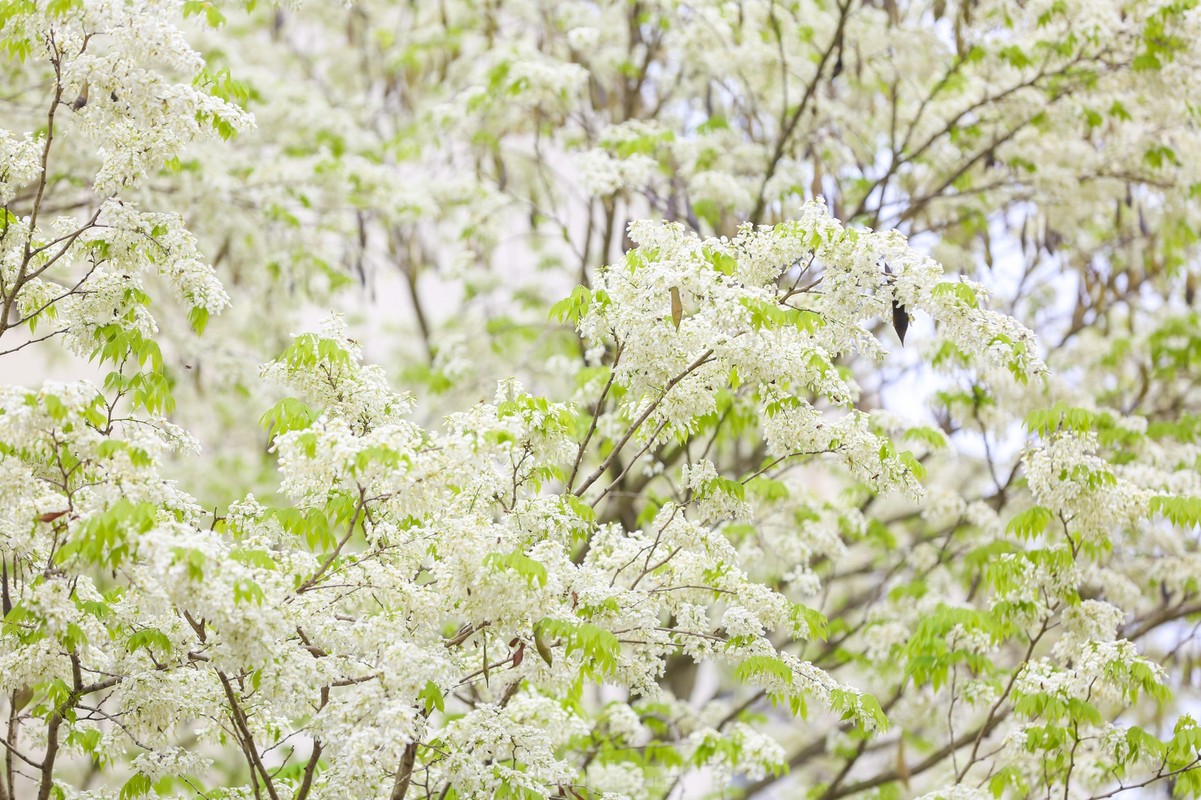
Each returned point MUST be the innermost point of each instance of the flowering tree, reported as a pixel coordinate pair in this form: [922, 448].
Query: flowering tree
[716, 529]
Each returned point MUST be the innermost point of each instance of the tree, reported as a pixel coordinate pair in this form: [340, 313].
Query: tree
[717, 529]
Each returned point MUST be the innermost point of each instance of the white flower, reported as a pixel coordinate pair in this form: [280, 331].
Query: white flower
[20, 163]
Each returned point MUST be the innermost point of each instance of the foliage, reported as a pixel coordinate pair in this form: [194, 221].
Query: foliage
[712, 493]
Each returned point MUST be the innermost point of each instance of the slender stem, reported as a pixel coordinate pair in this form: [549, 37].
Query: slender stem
[325, 565]
[22, 274]
[703, 359]
[600, 404]
[243, 729]
[992, 712]
[790, 124]
[617, 481]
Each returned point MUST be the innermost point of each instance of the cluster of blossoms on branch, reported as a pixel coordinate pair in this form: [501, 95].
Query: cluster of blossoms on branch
[690, 542]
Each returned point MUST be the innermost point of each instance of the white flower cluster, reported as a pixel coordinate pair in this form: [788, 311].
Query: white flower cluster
[143, 240]
[689, 313]
[716, 500]
[468, 598]
[1066, 475]
[113, 255]
[172, 761]
[602, 174]
[20, 163]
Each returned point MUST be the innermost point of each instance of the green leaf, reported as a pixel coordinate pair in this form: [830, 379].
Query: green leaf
[148, 638]
[961, 291]
[432, 696]
[1182, 511]
[246, 590]
[1030, 523]
[137, 786]
[108, 538]
[198, 318]
[1045, 421]
[572, 307]
[533, 571]
[288, 414]
[599, 647]
[721, 262]
[756, 668]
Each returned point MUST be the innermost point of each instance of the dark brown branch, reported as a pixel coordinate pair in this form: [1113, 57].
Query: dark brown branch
[404, 775]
